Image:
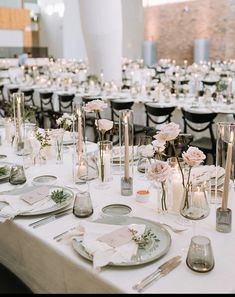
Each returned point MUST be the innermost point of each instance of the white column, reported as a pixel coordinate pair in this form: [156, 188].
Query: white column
[101, 22]
[201, 50]
[133, 28]
[73, 41]
[51, 26]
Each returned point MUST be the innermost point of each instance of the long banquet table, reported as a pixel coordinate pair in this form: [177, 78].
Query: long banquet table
[47, 266]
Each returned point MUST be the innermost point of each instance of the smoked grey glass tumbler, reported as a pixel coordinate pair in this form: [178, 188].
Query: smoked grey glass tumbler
[82, 207]
[200, 255]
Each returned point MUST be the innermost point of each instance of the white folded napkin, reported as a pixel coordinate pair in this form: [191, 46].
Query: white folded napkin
[102, 252]
[206, 172]
[15, 204]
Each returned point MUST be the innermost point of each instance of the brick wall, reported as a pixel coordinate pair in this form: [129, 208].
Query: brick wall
[175, 27]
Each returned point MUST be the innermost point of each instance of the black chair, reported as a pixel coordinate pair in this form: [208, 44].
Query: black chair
[66, 103]
[155, 113]
[181, 144]
[205, 143]
[1, 93]
[117, 105]
[46, 108]
[30, 105]
[90, 118]
[28, 97]
[11, 91]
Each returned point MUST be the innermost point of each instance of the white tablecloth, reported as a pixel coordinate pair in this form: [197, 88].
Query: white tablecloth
[47, 266]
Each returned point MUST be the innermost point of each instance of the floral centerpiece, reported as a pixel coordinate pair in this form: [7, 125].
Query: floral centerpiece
[103, 125]
[193, 157]
[65, 121]
[65, 124]
[159, 172]
[43, 138]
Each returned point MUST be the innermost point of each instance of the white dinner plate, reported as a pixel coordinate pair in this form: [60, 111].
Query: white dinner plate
[57, 206]
[155, 249]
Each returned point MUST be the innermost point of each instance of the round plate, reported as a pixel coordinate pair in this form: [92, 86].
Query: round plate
[116, 210]
[44, 180]
[150, 252]
[46, 209]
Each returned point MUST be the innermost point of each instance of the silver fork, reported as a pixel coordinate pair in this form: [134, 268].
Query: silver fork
[173, 229]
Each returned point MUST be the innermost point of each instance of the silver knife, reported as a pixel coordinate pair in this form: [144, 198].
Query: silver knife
[50, 218]
[162, 270]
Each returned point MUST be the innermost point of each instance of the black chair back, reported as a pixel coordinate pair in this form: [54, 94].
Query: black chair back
[66, 102]
[117, 105]
[28, 97]
[206, 144]
[154, 112]
[46, 101]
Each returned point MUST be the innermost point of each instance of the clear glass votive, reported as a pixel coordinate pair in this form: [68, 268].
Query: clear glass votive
[224, 220]
[200, 255]
[17, 175]
[82, 207]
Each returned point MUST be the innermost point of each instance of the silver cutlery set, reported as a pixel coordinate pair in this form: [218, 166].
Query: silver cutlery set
[162, 270]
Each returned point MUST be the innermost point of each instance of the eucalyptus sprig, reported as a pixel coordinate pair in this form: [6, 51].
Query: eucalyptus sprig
[58, 196]
[145, 238]
[3, 171]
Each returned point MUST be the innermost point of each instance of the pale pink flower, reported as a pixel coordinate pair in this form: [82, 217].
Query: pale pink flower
[169, 131]
[158, 171]
[147, 151]
[95, 106]
[193, 156]
[159, 137]
[159, 146]
[105, 125]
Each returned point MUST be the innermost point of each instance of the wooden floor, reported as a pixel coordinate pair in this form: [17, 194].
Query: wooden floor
[10, 284]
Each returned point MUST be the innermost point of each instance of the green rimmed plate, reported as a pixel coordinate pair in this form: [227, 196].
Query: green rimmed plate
[151, 252]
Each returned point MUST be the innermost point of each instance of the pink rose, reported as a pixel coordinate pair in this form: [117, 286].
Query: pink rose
[169, 131]
[158, 171]
[105, 125]
[95, 106]
[193, 156]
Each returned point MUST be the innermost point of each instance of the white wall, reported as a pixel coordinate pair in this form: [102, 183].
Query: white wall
[73, 41]
[11, 38]
[133, 28]
[51, 27]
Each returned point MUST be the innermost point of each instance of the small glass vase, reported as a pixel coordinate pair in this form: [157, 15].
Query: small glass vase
[194, 205]
[18, 109]
[143, 161]
[104, 163]
[225, 162]
[58, 137]
[162, 197]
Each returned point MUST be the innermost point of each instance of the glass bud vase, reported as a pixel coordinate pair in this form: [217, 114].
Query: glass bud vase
[104, 163]
[194, 205]
[84, 164]
[18, 110]
[225, 161]
[162, 197]
[59, 137]
[144, 158]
